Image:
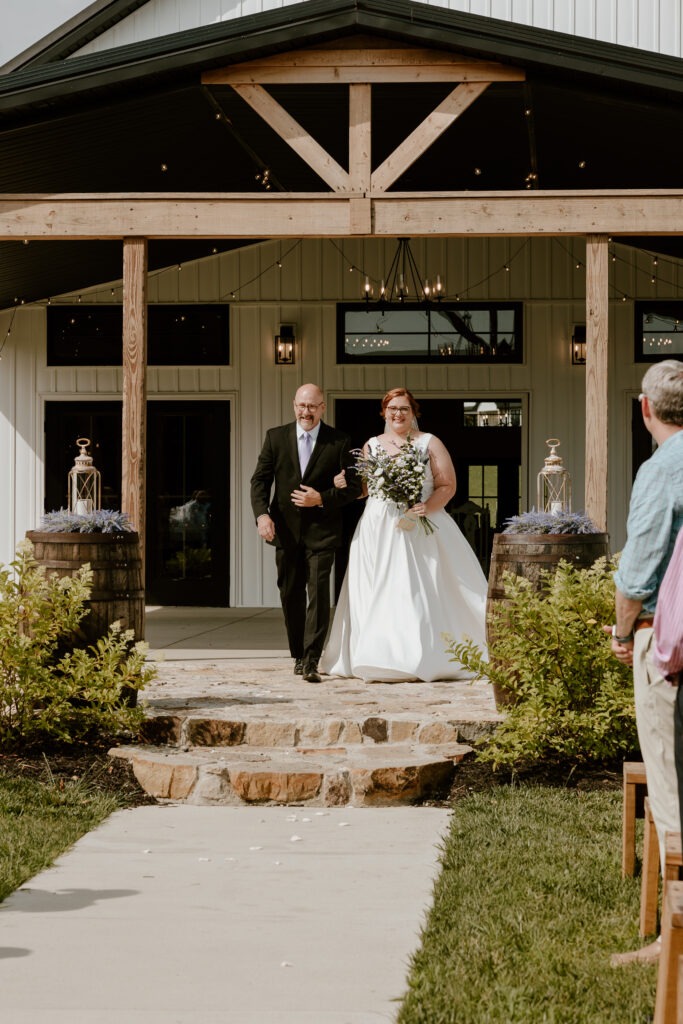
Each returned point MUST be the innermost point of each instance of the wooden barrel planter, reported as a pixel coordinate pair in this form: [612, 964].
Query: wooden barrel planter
[115, 559]
[528, 555]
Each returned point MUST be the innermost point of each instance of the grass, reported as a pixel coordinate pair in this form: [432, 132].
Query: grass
[528, 907]
[41, 817]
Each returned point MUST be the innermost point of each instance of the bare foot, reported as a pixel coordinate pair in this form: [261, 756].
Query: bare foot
[644, 955]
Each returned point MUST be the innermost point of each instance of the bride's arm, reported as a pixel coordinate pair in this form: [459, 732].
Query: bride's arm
[444, 477]
[340, 479]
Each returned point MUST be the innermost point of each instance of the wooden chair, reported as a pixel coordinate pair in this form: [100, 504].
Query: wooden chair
[635, 790]
[649, 886]
[669, 960]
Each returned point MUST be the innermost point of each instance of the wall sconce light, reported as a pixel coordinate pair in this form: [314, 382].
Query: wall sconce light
[285, 341]
[579, 345]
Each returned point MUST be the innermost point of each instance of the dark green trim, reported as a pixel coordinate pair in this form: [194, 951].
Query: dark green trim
[541, 52]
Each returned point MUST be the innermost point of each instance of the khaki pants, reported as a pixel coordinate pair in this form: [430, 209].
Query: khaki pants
[655, 699]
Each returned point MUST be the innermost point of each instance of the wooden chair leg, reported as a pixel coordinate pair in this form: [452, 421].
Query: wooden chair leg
[649, 885]
[672, 950]
[635, 783]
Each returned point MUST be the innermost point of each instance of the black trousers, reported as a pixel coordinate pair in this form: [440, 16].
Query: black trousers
[303, 579]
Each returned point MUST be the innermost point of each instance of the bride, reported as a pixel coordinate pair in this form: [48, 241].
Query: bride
[405, 587]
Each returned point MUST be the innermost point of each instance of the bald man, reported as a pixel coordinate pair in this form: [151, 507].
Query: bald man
[303, 519]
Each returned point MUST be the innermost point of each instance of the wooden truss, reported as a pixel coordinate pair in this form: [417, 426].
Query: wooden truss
[358, 204]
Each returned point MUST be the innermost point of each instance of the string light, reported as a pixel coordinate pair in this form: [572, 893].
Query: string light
[9, 331]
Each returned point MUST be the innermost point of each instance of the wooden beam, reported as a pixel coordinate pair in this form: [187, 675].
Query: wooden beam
[324, 214]
[434, 125]
[597, 323]
[360, 137]
[134, 413]
[339, 66]
[310, 151]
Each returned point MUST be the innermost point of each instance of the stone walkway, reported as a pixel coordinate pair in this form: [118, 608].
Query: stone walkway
[239, 729]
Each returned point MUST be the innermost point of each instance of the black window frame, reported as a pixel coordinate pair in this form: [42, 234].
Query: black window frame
[159, 353]
[432, 357]
[667, 307]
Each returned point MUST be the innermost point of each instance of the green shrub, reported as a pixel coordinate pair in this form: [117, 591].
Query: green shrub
[572, 701]
[52, 691]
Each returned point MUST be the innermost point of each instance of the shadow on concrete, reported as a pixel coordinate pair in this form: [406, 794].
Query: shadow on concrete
[41, 901]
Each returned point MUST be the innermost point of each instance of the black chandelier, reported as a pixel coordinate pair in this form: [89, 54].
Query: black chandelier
[403, 279]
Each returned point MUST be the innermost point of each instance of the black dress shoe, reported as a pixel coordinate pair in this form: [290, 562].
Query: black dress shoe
[311, 674]
[299, 667]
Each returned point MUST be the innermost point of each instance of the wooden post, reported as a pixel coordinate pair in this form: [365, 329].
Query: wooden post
[134, 415]
[597, 322]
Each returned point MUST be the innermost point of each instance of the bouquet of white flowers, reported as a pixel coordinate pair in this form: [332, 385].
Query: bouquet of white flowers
[398, 478]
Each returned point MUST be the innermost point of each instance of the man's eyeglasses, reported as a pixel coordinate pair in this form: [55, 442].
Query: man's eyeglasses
[308, 407]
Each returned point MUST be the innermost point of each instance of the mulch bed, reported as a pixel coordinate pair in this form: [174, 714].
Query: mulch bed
[90, 764]
[473, 776]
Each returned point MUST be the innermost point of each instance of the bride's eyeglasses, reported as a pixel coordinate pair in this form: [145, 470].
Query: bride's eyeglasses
[399, 408]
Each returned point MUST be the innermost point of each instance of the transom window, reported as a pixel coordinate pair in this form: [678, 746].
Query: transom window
[462, 332]
[658, 331]
[192, 335]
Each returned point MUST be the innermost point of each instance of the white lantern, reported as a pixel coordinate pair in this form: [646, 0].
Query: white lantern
[554, 485]
[85, 485]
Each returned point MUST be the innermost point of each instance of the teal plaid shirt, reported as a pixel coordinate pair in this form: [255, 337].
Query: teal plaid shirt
[654, 519]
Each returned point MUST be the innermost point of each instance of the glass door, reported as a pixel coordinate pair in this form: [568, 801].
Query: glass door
[188, 450]
[188, 501]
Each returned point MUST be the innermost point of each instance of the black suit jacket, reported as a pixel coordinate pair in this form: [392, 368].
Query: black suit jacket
[320, 527]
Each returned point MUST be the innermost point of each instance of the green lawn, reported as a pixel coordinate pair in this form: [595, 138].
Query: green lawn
[529, 905]
[42, 817]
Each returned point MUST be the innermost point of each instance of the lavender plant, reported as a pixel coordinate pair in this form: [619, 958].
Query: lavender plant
[550, 522]
[103, 520]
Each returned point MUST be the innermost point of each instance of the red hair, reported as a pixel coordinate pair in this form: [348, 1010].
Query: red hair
[400, 393]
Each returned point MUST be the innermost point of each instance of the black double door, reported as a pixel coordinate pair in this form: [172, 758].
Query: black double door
[188, 501]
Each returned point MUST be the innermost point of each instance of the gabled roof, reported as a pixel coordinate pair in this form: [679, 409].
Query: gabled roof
[73, 34]
[137, 118]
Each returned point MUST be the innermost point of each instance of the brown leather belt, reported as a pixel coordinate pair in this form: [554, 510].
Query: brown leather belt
[642, 624]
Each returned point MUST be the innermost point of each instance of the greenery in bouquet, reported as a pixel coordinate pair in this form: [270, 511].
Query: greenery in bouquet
[398, 478]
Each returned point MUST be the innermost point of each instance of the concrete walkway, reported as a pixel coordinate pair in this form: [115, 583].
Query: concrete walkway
[221, 915]
[180, 914]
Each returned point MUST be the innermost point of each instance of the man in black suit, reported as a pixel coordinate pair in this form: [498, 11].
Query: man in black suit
[303, 519]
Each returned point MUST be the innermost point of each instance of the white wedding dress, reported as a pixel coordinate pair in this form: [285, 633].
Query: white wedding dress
[403, 589]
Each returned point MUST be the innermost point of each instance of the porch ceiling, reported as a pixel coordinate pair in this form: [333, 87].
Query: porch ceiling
[589, 116]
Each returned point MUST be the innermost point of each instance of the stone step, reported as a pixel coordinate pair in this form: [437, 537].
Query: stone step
[256, 729]
[359, 774]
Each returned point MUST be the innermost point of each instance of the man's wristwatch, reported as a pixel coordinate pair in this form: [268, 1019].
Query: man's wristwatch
[621, 639]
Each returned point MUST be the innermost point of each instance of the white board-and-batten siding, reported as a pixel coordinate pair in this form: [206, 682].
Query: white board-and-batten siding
[314, 276]
[653, 25]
